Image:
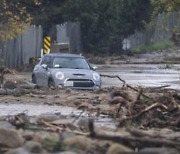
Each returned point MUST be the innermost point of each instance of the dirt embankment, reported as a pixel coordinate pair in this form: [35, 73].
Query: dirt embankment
[168, 56]
[147, 120]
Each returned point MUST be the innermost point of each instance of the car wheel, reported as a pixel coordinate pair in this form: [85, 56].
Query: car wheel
[34, 79]
[51, 83]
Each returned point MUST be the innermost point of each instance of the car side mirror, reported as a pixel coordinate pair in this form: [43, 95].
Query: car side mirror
[44, 66]
[93, 67]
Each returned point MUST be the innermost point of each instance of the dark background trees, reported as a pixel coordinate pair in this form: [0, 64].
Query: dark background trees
[104, 23]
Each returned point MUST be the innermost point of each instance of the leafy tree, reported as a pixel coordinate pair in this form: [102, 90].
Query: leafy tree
[14, 17]
[161, 6]
[47, 14]
[167, 6]
[106, 23]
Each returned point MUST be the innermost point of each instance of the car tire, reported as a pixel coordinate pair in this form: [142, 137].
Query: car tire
[34, 79]
[51, 83]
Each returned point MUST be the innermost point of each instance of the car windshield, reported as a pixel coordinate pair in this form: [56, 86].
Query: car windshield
[70, 62]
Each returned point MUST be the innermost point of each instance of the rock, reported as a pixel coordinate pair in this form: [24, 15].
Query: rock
[68, 91]
[20, 120]
[117, 149]
[33, 147]
[10, 85]
[64, 135]
[18, 92]
[79, 143]
[117, 100]
[97, 100]
[63, 121]
[83, 123]
[28, 135]
[48, 117]
[41, 135]
[10, 138]
[5, 124]
[52, 145]
[100, 91]
[77, 103]
[27, 85]
[158, 151]
[17, 151]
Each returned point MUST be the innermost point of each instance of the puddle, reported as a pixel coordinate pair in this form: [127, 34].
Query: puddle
[36, 109]
[147, 75]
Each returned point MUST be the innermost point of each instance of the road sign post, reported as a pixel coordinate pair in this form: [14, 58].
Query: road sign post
[46, 45]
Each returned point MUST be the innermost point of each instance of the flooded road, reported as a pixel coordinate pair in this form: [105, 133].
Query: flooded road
[36, 109]
[144, 75]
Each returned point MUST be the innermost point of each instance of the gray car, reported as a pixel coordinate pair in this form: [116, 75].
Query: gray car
[65, 70]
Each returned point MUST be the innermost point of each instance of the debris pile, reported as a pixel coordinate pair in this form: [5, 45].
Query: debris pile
[162, 110]
[13, 84]
[145, 109]
[52, 133]
[147, 121]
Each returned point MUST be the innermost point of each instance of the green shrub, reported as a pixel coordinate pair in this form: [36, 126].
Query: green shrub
[155, 47]
[52, 145]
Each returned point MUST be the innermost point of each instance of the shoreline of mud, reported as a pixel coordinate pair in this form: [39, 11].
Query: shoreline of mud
[143, 123]
[146, 120]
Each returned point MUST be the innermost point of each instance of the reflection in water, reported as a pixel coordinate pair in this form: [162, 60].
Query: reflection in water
[145, 75]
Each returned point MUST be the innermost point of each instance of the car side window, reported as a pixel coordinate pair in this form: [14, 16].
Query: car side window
[46, 60]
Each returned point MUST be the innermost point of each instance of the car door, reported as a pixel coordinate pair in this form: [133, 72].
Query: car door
[44, 71]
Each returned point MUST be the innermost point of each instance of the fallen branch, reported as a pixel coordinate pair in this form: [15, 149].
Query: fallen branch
[133, 141]
[165, 86]
[124, 82]
[117, 113]
[57, 128]
[78, 117]
[18, 91]
[148, 109]
[3, 72]
[134, 102]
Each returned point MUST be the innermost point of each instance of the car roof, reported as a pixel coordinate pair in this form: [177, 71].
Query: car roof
[64, 55]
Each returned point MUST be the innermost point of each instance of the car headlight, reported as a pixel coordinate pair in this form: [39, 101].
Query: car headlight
[59, 75]
[96, 76]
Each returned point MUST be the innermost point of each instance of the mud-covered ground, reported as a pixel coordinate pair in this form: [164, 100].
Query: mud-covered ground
[122, 119]
[126, 118]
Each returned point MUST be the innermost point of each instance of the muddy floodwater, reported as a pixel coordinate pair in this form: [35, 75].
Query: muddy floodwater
[145, 75]
[35, 110]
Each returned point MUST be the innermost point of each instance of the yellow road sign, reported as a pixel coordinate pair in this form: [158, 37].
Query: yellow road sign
[46, 44]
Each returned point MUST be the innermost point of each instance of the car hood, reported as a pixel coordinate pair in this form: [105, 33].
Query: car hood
[83, 73]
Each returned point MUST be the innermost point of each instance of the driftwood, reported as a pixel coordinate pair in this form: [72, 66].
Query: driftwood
[134, 102]
[117, 113]
[142, 133]
[161, 87]
[163, 108]
[155, 105]
[20, 120]
[78, 117]
[124, 82]
[18, 91]
[134, 141]
[4, 71]
[56, 128]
